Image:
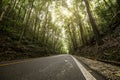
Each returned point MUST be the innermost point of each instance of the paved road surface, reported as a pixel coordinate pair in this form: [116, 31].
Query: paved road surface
[60, 67]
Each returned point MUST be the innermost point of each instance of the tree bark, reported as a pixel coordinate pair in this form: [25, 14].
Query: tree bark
[92, 21]
[4, 11]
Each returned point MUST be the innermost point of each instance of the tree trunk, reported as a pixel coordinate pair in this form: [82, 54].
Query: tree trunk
[20, 9]
[24, 29]
[73, 42]
[34, 30]
[92, 21]
[4, 11]
[15, 2]
[112, 11]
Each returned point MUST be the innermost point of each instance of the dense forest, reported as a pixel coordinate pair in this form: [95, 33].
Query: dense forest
[34, 28]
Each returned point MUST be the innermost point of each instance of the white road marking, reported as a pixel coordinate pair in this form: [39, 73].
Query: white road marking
[87, 75]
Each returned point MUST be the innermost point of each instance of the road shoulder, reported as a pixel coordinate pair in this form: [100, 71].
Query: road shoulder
[109, 71]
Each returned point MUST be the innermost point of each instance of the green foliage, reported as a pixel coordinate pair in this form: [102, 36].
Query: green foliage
[57, 26]
[5, 2]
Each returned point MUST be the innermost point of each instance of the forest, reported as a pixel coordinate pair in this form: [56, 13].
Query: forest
[36, 28]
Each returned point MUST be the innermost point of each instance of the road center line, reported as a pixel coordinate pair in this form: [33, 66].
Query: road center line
[87, 75]
[12, 63]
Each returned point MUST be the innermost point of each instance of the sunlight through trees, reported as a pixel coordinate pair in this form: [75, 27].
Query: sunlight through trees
[62, 26]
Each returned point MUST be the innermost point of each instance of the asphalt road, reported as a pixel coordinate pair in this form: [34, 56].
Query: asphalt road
[60, 67]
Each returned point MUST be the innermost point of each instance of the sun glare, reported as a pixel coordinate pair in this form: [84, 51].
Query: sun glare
[69, 3]
[65, 11]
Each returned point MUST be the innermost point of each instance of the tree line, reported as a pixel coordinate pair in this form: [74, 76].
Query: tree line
[60, 25]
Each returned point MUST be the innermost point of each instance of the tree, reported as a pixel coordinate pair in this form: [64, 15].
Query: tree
[92, 21]
[7, 4]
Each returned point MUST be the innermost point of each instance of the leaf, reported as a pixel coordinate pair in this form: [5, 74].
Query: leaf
[118, 74]
[5, 2]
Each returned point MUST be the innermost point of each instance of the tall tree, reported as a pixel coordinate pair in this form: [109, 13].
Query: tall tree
[27, 21]
[7, 4]
[92, 21]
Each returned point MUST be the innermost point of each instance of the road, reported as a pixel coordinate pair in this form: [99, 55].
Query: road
[59, 67]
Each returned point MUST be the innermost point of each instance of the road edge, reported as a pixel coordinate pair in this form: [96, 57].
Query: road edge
[87, 75]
